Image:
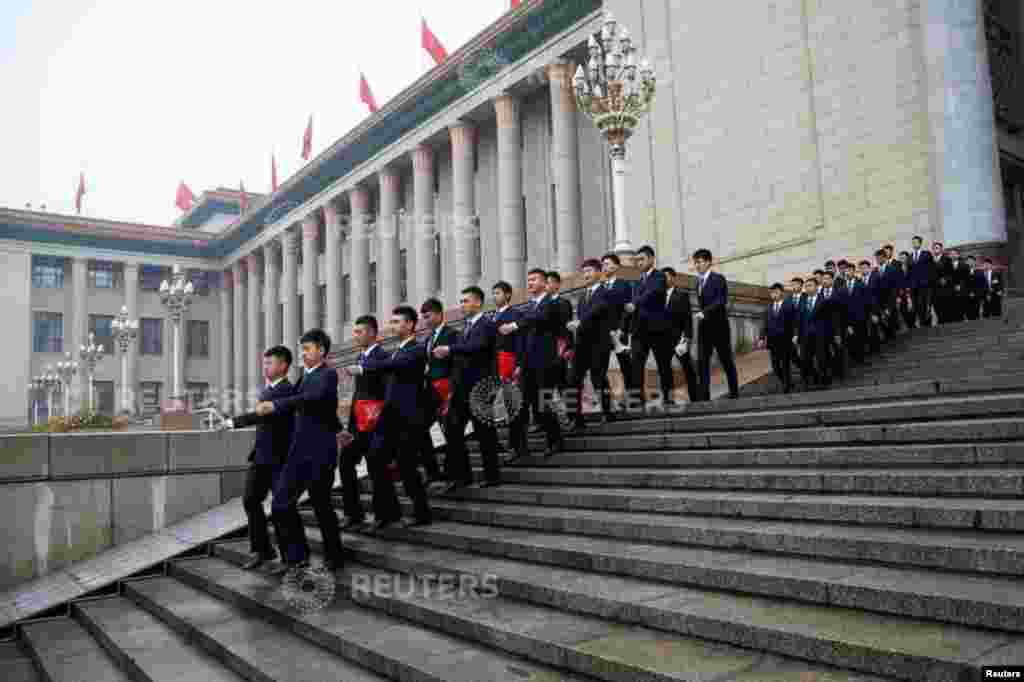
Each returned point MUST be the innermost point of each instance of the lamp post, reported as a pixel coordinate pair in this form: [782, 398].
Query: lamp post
[176, 295]
[90, 356]
[50, 382]
[609, 91]
[125, 331]
[66, 371]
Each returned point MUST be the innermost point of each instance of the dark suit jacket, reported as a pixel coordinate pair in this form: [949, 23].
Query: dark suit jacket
[859, 302]
[922, 272]
[510, 342]
[275, 434]
[649, 317]
[962, 276]
[836, 311]
[778, 326]
[539, 326]
[565, 311]
[439, 368]
[713, 301]
[680, 315]
[369, 386]
[878, 290]
[315, 406]
[598, 314]
[621, 293]
[981, 283]
[813, 322]
[404, 396]
[473, 356]
[944, 273]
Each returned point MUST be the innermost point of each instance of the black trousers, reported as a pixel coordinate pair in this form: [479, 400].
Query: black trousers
[300, 475]
[781, 350]
[716, 338]
[537, 385]
[593, 359]
[814, 359]
[971, 307]
[259, 481]
[693, 387]
[457, 460]
[943, 301]
[993, 307]
[922, 297]
[663, 347]
[856, 343]
[348, 461]
[396, 442]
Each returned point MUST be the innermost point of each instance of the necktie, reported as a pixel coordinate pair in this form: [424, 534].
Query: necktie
[777, 308]
[700, 286]
[668, 298]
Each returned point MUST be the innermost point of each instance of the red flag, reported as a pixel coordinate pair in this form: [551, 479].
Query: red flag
[184, 198]
[431, 44]
[245, 197]
[515, 3]
[365, 95]
[307, 139]
[80, 192]
[273, 173]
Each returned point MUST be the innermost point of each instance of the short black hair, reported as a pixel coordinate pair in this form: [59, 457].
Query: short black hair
[889, 247]
[702, 254]
[865, 262]
[974, 258]
[538, 271]
[797, 279]
[368, 321]
[826, 274]
[432, 305]
[938, 244]
[554, 275]
[647, 250]
[778, 285]
[880, 252]
[844, 263]
[818, 273]
[319, 337]
[407, 312]
[830, 262]
[504, 286]
[613, 257]
[280, 352]
[591, 263]
[812, 279]
[475, 291]
[986, 260]
[668, 270]
[916, 238]
[905, 253]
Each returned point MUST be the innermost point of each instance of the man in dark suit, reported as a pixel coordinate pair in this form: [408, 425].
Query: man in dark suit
[792, 305]
[713, 316]
[651, 331]
[858, 310]
[973, 296]
[595, 320]
[506, 348]
[538, 360]
[777, 332]
[473, 362]
[961, 286]
[990, 287]
[621, 292]
[680, 318]
[312, 457]
[921, 281]
[437, 393]
[836, 313]
[268, 453]
[566, 347]
[843, 279]
[401, 421]
[885, 291]
[943, 298]
[364, 415]
[812, 333]
[872, 282]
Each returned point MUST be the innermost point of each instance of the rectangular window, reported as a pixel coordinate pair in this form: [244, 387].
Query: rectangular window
[403, 276]
[151, 333]
[104, 274]
[197, 393]
[201, 281]
[102, 329]
[103, 397]
[150, 397]
[47, 332]
[346, 290]
[47, 272]
[198, 342]
[373, 287]
[150, 276]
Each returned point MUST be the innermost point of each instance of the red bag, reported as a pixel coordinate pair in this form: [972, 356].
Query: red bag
[368, 414]
[506, 365]
[442, 389]
[563, 344]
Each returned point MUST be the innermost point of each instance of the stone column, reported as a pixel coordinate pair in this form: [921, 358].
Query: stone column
[241, 359]
[78, 330]
[387, 233]
[565, 163]
[359, 253]
[333, 224]
[423, 206]
[467, 236]
[291, 321]
[227, 380]
[510, 191]
[310, 274]
[271, 294]
[131, 302]
[968, 193]
[254, 334]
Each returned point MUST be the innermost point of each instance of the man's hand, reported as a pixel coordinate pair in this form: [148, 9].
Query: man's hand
[345, 439]
[683, 348]
[700, 315]
[264, 408]
[795, 339]
[517, 373]
[874, 318]
[354, 370]
[573, 325]
[850, 331]
[226, 424]
[630, 308]
[838, 340]
[507, 328]
[441, 352]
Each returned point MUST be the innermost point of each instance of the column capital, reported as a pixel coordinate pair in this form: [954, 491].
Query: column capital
[239, 267]
[390, 180]
[423, 159]
[359, 199]
[289, 239]
[311, 227]
[463, 134]
[252, 263]
[332, 218]
[560, 71]
[228, 278]
[506, 109]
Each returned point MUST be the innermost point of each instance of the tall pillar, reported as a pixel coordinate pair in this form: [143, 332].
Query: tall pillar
[240, 337]
[310, 272]
[566, 166]
[131, 302]
[510, 191]
[227, 378]
[467, 235]
[255, 329]
[968, 202]
[271, 294]
[423, 206]
[387, 233]
[79, 328]
[291, 314]
[359, 253]
[333, 224]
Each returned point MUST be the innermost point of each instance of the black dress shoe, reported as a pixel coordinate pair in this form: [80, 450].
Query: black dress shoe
[418, 522]
[734, 396]
[490, 484]
[554, 449]
[333, 564]
[258, 560]
[384, 523]
[352, 523]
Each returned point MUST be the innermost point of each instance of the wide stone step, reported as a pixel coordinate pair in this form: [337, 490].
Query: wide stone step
[848, 638]
[66, 652]
[254, 647]
[16, 665]
[914, 512]
[377, 641]
[475, 610]
[984, 601]
[146, 647]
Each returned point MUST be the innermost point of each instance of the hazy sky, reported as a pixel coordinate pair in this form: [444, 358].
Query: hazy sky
[140, 94]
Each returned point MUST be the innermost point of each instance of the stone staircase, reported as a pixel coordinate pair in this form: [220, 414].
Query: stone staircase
[870, 532]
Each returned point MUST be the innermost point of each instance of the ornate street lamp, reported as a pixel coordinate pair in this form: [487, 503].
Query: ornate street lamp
[125, 331]
[176, 295]
[50, 382]
[90, 356]
[66, 371]
[616, 95]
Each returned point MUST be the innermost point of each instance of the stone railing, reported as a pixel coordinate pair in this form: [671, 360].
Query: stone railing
[69, 496]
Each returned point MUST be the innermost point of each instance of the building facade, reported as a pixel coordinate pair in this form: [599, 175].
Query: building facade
[803, 131]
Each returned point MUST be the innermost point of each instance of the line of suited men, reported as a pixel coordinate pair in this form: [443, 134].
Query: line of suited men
[844, 312]
[399, 395]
